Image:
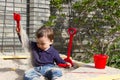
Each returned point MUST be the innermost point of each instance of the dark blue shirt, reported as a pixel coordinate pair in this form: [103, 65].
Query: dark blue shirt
[40, 57]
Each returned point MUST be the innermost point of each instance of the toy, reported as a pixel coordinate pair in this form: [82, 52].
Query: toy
[17, 18]
[72, 32]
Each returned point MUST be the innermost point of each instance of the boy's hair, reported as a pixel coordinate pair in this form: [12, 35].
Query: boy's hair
[45, 31]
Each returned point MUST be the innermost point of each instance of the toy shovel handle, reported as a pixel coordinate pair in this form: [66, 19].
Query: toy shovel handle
[72, 31]
[17, 18]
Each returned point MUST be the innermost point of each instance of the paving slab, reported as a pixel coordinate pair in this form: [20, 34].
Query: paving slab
[89, 72]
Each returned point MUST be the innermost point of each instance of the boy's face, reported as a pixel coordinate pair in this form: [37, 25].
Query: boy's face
[44, 43]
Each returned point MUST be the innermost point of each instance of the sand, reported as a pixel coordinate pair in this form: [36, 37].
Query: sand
[13, 69]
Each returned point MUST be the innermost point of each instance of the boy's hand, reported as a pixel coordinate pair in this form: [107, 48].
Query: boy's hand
[69, 64]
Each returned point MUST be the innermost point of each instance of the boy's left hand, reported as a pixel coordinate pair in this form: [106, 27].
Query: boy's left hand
[66, 65]
[69, 64]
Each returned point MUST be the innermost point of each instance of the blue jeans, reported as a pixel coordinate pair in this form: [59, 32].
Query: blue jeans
[49, 71]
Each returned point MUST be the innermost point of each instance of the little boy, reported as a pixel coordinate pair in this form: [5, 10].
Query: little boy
[44, 57]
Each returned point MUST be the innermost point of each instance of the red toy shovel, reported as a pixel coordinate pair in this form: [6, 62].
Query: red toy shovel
[72, 32]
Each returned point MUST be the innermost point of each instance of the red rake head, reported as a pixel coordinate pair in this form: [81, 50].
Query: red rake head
[16, 17]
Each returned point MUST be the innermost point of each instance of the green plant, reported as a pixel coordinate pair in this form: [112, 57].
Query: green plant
[56, 15]
[114, 57]
[98, 21]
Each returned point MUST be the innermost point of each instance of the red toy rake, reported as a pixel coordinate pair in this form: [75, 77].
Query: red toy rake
[71, 32]
[17, 18]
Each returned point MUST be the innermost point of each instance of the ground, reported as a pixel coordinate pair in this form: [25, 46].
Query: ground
[13, 69]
